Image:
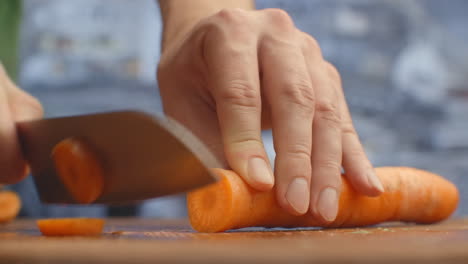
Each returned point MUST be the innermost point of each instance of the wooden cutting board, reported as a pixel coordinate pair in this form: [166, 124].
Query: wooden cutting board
[170, 241]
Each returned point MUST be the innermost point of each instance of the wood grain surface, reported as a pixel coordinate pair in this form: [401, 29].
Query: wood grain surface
[173, 241]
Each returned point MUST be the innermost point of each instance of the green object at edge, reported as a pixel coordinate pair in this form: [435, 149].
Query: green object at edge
[10, 16]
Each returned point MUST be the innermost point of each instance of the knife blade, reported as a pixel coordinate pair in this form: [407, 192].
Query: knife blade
[143, 156]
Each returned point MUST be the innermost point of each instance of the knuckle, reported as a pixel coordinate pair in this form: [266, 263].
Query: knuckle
[347, 128]
[230, 25]
[211, 29]
[333, 72]
[244, 140]
[240, 93]
[299, 150]
[331, 69]
[300, 94]
[311, 44]
[232, 16]
[279, 17]
[356, 153]
[328, 110]
[329, 164]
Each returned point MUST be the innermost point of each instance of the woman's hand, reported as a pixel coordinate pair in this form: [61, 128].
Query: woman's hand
[237, 72]
[15, 105]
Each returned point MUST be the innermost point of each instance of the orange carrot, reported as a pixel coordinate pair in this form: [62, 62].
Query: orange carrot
[10, 205]
[411, 195]
[79, 168]
[71, 226]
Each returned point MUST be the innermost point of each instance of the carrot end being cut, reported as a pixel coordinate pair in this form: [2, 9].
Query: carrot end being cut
[210, 206]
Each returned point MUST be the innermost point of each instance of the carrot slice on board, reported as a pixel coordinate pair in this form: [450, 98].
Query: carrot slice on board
[411, 195]
[71, 226]
[79, 168]
[10, 205]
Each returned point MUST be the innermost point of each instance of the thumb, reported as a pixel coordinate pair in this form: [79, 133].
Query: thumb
[12, 165]
[15, 105]
[24, 107]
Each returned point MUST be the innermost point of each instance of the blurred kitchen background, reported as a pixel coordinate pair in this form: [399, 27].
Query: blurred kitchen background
[404, 65]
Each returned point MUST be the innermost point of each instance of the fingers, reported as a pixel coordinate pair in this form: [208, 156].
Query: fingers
[359, 170]
[12, 166]
[234, 80]
[298, 96]
[288, 88]
[326, 137]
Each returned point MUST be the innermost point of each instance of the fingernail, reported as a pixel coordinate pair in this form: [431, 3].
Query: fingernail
[375, 181]
[327, 205]
[298, 196]
[259, 171]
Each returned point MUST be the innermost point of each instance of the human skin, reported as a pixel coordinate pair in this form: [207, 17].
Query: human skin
[15, 105]
[227, 71]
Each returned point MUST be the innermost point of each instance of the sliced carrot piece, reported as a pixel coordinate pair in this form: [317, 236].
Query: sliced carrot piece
[10, 205]
[79, 168]
[71, 226]
[411, 195]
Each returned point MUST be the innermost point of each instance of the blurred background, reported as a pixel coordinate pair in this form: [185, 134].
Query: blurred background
[404, 65]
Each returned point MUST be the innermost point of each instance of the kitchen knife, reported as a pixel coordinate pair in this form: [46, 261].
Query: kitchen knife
[143, 156]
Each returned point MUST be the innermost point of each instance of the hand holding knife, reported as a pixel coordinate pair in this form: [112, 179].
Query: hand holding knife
[143, 156]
